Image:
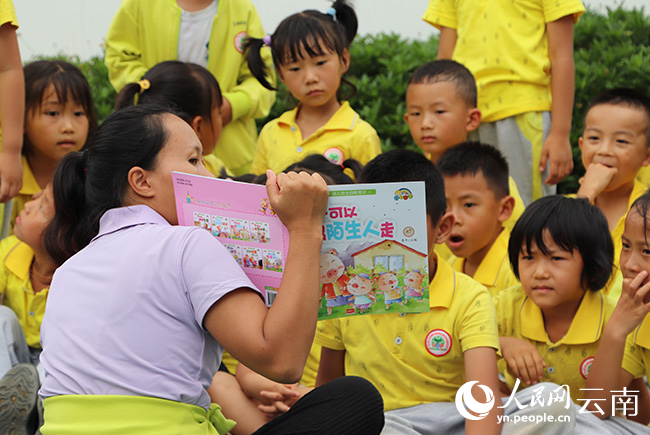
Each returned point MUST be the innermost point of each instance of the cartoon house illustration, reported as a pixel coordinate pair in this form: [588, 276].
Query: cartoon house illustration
[390, 254]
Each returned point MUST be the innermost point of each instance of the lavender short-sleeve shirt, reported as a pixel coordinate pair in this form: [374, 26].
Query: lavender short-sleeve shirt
[125, 315]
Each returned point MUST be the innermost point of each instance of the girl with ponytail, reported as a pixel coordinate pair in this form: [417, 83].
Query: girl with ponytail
[310, 53]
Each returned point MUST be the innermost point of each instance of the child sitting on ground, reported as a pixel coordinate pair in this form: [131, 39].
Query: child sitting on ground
[398, 352]
[624, 354]
[615, 145]
[59, 119]
[476, 187]
[550, 326]
[440, 111]
[310, 52]
[25, 275]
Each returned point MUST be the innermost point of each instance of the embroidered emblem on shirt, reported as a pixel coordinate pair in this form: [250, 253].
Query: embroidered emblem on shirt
[585, 366]
[238, 41]
[438, 342]
[334, 155]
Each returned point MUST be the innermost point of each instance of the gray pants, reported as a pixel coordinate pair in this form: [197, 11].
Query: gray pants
[507, 136]
[13, 347]
[444, 418]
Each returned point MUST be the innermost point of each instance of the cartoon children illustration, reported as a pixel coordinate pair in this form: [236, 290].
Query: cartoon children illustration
[413, 283]
[388, 284]
[333, 281]
[360, 286]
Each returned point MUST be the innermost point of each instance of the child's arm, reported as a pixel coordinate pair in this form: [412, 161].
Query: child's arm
[12, 112]
[557, 148]
[523, 359]
[606, 374]
[331, 366]
[275, 342]
[481, 366]
[446, 43]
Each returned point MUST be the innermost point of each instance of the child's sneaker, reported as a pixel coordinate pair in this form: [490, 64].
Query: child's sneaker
[18, 397]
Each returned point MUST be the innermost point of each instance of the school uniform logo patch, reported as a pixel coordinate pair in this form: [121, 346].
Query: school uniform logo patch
[585, 366]
[438, 342]
[239, 40]
[334, 155]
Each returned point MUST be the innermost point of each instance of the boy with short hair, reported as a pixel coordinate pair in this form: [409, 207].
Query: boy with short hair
[476, 187]
[522, 56]
[398, 352]
[615, 145]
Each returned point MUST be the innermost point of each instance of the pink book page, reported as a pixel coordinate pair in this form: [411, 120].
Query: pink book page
[240, 217]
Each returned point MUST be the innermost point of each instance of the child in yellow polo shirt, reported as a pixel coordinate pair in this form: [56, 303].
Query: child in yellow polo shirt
[310, 52]
[476, 187]
[624, 354]
[25, 275]
[615, 145]
[550, 326]
[440, 112]
[416, 359]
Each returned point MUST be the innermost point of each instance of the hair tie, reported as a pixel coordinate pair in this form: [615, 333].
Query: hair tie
[84, 160]
[144, 85]
[332, 12]
[267, 40]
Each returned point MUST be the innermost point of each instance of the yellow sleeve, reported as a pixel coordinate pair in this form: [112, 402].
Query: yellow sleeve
[633, 358]
[478, 321]
[8, 13]
[260, 161]
[6, 245]
[442, 13]
[249, 99]
[328, 334]
[123, 54]
[554, 10]
[369, 147]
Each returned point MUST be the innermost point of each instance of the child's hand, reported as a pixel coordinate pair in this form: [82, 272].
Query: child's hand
[11, 175]
[523, 359]
[596, 179]
[281, 398]
[556, 152]
[300, 200]
[632, 306]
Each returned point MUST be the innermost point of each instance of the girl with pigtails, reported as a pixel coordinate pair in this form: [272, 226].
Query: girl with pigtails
[310, 53]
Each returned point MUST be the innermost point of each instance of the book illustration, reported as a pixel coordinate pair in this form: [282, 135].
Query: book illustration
[273, 260]
[265, 207]
[252, 257]
[235, 251]
[361, 287]
[220, 227]
[260, 232]
[240, 229]
[202, 220]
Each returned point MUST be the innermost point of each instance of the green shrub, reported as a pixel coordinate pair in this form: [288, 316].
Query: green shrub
[611, 50]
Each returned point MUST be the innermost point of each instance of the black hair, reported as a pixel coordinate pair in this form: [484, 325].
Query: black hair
[87, 184]
[445, 70]
[470, 158]
[69, 83]
[574, 224]
[642, 206]
[628, 97]
[331, 172]
[187, 87]
[301, 35]
[405, 165]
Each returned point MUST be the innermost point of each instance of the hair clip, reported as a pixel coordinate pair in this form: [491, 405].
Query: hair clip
[267, 40]
[144, 85]
[332, 12]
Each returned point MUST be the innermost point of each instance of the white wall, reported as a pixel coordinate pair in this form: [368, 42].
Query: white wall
[78, 26]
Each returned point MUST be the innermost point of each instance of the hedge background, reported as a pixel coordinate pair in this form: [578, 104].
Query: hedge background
[611, 50]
